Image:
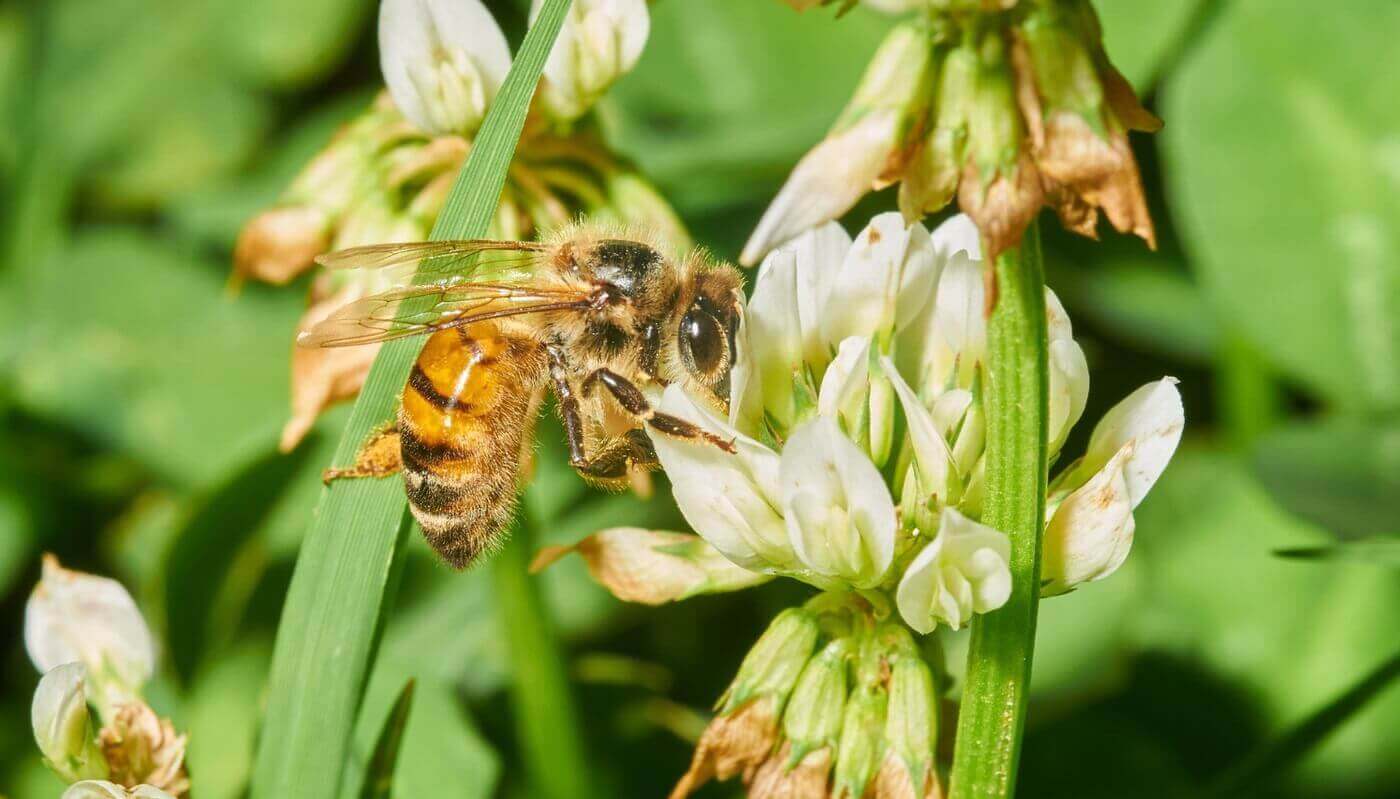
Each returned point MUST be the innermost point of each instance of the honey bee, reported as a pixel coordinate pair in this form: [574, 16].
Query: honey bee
[595, 316]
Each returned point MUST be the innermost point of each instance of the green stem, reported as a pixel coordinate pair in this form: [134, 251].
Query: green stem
[546, 720]
[1249, 401]
[992, 716]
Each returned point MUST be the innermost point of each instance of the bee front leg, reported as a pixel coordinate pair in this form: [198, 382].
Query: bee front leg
[634, 402]
[379, 456]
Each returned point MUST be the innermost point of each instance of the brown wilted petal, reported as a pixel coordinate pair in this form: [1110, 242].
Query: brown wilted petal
[1123, 101]
[893, 781]
[323, 376]
[776, 779]
[281, 243]
[1003, 208]
[142, 748]
[734, 744]
[653, 567]
[1102, 172]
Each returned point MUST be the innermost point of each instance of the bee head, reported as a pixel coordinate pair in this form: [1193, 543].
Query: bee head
[705, 336]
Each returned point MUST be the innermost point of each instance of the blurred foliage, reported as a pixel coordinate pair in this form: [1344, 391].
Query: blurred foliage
[139, 402]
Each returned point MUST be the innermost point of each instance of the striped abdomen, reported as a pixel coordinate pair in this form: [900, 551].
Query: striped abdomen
[466, 410]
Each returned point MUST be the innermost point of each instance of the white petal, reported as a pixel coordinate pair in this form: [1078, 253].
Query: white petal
[931, 451]
[847, 380]
[73, 616]
[1151, 420]
[60, 718]
[96, 789]
[443, 61]
[884, 282]
[958, 234]
[746, 390]
[1069, 389]
[731, 500]
[963, 570]
[1057, 322]
[840, 517]
[599, 42]
[826, 182]
[1091, 532]
[819, 254]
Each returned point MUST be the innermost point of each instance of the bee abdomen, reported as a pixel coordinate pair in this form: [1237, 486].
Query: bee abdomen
[465, 414]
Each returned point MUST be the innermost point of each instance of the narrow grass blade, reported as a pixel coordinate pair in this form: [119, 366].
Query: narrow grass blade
[1262, 769]
[379, 773]
[1381, 550]
[333, 610]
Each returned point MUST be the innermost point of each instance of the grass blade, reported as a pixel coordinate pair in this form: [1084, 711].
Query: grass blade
[333, 610]
[1380, 550]
[1256, 773]
[379, 774]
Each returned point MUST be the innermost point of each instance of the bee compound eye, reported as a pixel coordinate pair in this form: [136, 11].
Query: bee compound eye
[702, 343]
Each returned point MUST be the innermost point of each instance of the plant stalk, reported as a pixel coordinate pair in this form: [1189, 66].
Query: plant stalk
[547, 725]
[992, 716]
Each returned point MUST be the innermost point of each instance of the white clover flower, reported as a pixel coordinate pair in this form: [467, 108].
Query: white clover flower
[840, 518]
[599, 42]
[443, 61]
[62, 725]
[1091, 519]
[962, 571]
[72, 616]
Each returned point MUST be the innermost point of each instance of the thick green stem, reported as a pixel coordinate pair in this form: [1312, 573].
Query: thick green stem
[992, 716]
[547, 725]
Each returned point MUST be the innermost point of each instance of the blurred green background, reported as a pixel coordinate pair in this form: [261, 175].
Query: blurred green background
[140, 404]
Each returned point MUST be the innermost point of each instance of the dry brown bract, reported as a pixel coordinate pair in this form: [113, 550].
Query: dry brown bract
[143, 749]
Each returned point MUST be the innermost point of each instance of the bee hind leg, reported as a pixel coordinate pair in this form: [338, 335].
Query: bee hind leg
[379, 456]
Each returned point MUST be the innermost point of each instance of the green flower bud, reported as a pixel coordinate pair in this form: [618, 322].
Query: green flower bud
[897, 78]
[912, 724]
[62, 724]
[862, 745]
[772, 666]
[815, 713]
[931, 179]
[1065, 75]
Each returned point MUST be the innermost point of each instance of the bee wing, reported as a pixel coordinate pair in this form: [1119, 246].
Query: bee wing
[422, 263]
[415, 310]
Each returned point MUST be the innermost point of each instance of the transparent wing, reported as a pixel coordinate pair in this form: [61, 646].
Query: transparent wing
[423, 263]
[426, 309]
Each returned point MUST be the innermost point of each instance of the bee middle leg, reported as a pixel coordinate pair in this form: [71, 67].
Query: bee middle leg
[379, 456]
[634, 402]
[610, 462]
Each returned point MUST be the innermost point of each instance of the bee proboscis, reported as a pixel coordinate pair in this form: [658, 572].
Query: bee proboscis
[594, 316]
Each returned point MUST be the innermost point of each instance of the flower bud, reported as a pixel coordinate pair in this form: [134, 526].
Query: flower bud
[443, 61]
[911, 726]
[142, 748]
[636, 202]
[73, 616]
[814, 714]
[101, 789]
[746, 731]
[932, 177]
[599, 42]
[654, 566]
[862, 744]
[963, 570]
[62, 724]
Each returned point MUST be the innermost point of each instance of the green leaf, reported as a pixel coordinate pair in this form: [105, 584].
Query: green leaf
[379, 773]
[336, 602]
[221, 717]
[287, 45]
[135, 343]
[1269, 765]
[1341, 473]
[1280, 175]
[217, 559]
[1379, 551]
